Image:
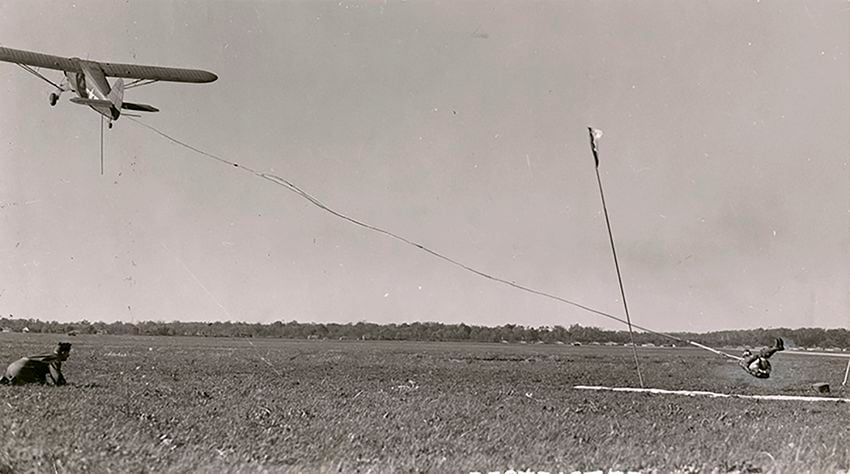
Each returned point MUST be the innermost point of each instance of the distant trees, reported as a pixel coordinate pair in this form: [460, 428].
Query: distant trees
[431, 331]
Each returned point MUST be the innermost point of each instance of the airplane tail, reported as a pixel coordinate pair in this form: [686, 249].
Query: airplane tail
[139, 107]
[116, 95]
[114, 103]
[106, 105]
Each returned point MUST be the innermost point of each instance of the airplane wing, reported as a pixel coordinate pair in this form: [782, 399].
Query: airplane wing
[130, 71]
[30, 58]
[157, 73]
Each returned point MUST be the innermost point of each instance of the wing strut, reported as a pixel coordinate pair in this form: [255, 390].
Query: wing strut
[139, 83]
[35, 73]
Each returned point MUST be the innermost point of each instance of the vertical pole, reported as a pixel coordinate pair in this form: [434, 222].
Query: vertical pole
[846, 373]
[614, 252]
[101, 145]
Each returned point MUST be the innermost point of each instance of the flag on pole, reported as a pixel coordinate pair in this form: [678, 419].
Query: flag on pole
[595, 134]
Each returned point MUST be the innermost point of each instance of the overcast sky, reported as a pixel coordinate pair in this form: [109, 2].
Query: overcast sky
[459, 125]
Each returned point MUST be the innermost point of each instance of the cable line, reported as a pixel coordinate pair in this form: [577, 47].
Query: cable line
[316, 202]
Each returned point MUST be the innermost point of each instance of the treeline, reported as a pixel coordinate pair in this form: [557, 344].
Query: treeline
[430, 331]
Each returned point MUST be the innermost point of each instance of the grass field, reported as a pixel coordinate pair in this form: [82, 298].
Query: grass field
[169, 404]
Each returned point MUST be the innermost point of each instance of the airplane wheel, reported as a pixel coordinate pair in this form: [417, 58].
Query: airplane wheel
[54, 97]
[110, 125]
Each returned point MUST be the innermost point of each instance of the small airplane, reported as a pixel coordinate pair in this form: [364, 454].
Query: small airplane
[88, 79]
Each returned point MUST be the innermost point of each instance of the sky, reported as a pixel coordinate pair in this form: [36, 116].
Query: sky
[461, 126]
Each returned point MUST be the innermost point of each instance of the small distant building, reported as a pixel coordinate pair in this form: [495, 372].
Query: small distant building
[5, 329]
[576, 343]
[312, 337]
[25, 329]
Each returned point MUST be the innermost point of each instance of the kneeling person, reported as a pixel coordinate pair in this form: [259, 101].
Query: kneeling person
[41, 369]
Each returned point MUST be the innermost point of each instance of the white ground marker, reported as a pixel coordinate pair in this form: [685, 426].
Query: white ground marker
[693, 393]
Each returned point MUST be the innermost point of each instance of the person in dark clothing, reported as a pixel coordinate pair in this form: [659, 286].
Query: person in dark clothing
[757, 365]
[42, 369]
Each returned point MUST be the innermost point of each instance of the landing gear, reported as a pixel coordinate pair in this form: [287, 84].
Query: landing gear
[60, 88]
[109, 125]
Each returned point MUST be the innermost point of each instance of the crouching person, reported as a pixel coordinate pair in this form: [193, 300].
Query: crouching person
[42, 369]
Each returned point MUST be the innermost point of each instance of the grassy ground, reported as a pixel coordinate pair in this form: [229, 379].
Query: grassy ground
[139, 404]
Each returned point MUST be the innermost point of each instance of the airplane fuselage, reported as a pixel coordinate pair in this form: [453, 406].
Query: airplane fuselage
[91, 83]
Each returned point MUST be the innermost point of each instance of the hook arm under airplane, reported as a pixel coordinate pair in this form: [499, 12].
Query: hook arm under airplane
[88, 79]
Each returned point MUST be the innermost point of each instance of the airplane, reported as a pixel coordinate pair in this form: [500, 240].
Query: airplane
[88, 80]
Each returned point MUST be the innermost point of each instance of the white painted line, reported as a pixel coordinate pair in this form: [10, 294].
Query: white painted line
[821, 354]
[695, 393]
